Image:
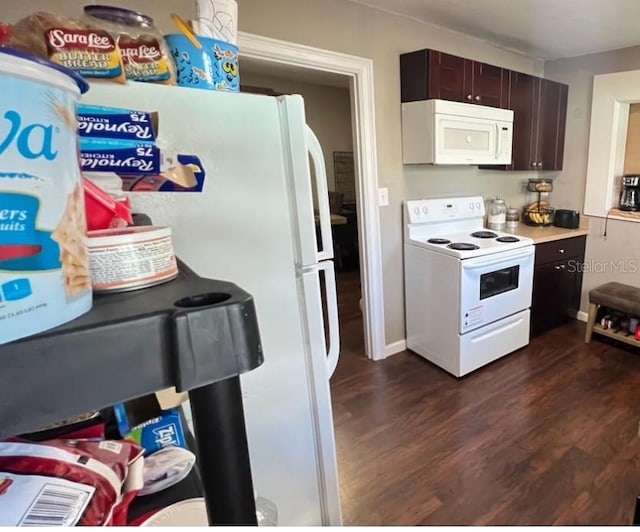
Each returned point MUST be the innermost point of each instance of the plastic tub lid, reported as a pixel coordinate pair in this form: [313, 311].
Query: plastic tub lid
[119, 15]
[82, 84]
[190, 512]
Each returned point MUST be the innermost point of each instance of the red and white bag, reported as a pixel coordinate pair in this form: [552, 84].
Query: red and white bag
[68, 482]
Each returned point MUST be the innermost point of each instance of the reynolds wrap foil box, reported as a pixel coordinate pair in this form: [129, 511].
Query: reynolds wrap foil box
[118, 124]
[125, 157]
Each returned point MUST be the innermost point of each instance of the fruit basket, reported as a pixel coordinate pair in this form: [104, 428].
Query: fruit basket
[538, 213]
[540, 185]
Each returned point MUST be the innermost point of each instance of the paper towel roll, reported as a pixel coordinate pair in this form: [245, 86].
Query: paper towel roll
[217, 19]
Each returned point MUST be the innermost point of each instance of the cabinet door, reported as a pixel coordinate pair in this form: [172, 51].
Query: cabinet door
[414, 76]
[551, 124]
[427, 74]
[554, 287]
[446, 77]
[490, 85]
[523, 100]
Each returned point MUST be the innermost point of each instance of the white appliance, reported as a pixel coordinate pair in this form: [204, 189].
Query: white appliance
[253, 224]
[444, 132]
[467, 289]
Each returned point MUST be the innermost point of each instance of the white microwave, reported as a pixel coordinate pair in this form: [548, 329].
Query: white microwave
[444, 132]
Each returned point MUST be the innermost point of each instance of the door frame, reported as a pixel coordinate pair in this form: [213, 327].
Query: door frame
[359, 70]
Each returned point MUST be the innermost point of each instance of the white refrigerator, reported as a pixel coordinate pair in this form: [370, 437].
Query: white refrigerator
[253, 224]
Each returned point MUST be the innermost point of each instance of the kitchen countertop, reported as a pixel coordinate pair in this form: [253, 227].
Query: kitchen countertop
[549, 233]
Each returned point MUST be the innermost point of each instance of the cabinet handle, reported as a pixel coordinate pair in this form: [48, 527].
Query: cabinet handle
[477, 98]
[469, 97]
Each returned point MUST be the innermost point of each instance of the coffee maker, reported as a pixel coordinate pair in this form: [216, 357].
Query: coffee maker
[630, 195]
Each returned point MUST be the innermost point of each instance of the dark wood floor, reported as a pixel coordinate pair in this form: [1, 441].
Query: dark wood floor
[547, 435]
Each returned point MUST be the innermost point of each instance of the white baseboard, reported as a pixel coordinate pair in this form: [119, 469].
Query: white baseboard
[395, 347]
[582, 316]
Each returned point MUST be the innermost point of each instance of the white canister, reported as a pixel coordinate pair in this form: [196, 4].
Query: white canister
[217, 19]
[44, 264]
[131, 258]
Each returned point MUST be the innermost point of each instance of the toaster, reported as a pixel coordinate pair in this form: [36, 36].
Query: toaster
[566, 218]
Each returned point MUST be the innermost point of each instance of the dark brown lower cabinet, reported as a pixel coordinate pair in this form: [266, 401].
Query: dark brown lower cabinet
[557, 283]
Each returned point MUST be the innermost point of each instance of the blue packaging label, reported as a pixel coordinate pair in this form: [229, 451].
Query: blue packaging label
[23, 247]
[167, 432]
[121, 418]
[214, 66]
[162, 431]
[113, 123]
[119, 157]
[44, 263]
[227, 76]
[17, 289]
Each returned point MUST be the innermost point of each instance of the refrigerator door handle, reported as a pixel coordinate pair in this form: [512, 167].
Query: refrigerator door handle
[325, 250]
[333, 353]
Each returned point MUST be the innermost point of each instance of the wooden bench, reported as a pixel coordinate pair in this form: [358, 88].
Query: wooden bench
[615, 296]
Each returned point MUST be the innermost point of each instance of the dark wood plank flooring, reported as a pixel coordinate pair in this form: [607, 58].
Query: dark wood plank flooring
[547, 435]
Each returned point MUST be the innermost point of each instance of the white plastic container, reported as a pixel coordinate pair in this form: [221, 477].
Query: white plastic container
[44, 264]
[217, 19]
[190, 512]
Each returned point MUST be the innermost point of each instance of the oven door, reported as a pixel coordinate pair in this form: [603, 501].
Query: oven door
[495, 286]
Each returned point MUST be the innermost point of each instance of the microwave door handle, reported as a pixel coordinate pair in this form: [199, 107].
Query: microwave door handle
[498, 141]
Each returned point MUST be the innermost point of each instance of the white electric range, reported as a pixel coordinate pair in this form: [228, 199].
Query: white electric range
[467, 289]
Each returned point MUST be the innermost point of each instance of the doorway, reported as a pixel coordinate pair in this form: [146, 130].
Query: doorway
[308, 61]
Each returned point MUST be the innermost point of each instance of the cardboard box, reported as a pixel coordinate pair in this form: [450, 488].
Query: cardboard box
[119, 124]
[103, 155]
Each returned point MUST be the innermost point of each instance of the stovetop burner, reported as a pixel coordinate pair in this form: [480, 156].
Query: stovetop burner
[438, 241]
[484, 234]
[508, 239]
[463, 246]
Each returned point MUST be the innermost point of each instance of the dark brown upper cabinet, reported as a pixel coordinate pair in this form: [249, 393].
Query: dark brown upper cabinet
[552, 116]
[539, 105]
[429, 74]
[539, 115]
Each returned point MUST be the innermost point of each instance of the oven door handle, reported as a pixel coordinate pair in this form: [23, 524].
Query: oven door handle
[472, 264]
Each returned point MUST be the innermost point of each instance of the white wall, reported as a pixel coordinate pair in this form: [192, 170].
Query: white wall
[328, 111]
[614, 257]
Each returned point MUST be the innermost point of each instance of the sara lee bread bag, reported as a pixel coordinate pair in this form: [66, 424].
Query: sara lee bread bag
[145, 55]
[81, 46]
[108, 43]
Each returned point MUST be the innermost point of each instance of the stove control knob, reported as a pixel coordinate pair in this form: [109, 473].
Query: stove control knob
[472, 206]
[477, 204]
[416, 210]
[425, 210]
